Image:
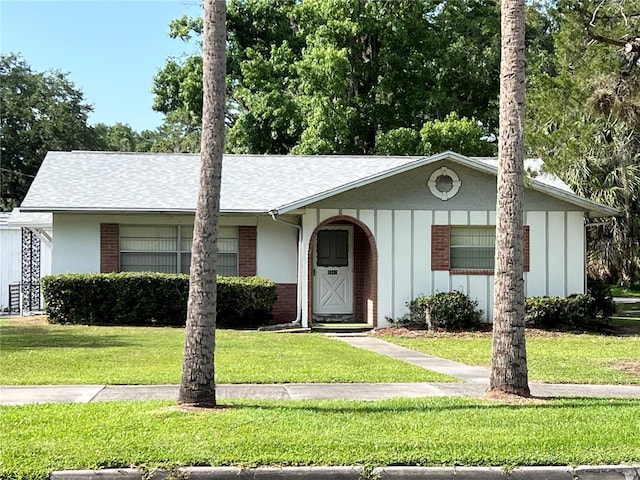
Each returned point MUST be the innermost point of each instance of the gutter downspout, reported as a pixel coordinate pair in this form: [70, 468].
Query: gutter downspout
[298, 321]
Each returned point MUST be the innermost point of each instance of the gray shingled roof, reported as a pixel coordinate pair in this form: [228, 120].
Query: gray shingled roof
[137, 182]
[95, 181]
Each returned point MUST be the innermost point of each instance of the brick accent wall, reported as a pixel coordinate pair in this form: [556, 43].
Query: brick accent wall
[247, 242]
[360, 254]
[440, 244]
[284, 310]
[109, 247]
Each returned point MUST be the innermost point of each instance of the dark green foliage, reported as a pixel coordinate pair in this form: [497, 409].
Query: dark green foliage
[585, 311]
[39, 111]
[151, 299]
[318, 77]
[461, 135]
[603, 306]
[445, 310]
[583, 122]
[245, 301]
[399, 141]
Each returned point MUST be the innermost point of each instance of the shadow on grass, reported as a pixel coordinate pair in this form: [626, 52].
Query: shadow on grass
[413, 405]
[17, 337]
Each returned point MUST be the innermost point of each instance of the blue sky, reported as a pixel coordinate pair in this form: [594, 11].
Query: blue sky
[110, 49]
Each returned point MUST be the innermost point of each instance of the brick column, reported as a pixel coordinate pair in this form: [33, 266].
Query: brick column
[247, 242]
[284, 310]
[109, 247]
[440, 243]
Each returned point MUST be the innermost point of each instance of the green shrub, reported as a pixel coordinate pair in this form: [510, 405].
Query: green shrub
[445, 310]
[576, 312]
[151, 299]
[245, 302]
[603, 306]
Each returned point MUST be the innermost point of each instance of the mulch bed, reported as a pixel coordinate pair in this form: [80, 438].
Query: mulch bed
[483, 332]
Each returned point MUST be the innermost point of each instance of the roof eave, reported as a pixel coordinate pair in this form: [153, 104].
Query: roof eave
[591, 208]
[121, 211]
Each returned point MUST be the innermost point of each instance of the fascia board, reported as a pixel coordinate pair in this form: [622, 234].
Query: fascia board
[111, 211]
[593, 209]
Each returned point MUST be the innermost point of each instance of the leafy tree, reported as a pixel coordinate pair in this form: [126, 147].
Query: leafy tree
[335, 77]
[461, 135]
[399, 141]
[197, 387]
[508, 373]
[176, 135]
[116, 138]
[584, 121]
[39, 111]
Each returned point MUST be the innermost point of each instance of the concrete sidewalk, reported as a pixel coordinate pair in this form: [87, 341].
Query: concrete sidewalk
[20, 395]
[475, 382]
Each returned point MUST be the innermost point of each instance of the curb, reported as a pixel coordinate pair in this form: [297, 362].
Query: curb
[598, 472]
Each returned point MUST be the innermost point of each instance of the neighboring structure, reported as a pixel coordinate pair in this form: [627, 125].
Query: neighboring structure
[25, 257]
[10, 260]
[344, 237]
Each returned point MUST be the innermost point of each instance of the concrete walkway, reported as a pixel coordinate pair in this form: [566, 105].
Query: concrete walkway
[475, 382]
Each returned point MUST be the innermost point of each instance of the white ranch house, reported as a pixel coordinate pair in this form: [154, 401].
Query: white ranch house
[344, 237]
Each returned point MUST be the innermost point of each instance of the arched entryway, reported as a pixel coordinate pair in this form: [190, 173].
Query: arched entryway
[343, 272]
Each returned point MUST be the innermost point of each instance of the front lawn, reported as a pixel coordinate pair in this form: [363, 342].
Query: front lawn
[551, 357]
[632, 291]
[35, 353]
[37, 439]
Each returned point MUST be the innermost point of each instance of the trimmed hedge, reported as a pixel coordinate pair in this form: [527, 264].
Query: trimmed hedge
[585, 311]
[152, 299]
[445, 310]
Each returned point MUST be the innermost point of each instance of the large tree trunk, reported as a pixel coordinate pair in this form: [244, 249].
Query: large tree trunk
[509, 357]
[198, 384]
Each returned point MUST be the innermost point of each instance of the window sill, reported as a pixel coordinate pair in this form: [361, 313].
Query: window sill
[470, 271]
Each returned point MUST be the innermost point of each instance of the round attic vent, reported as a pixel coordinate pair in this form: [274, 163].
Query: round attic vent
[444, 183]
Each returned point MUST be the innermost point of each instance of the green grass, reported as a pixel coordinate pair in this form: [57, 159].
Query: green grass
[55, 354]
[430, 431]
[632, 291]
[566, 358]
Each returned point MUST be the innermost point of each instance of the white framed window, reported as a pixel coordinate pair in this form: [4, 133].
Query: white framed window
[472, 248]
[167, 249]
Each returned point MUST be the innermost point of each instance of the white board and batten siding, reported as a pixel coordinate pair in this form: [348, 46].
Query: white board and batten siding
[403, 243]
[557, 253]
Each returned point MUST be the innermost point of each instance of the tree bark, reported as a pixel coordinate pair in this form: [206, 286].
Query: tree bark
[509, 357]
[197, 387]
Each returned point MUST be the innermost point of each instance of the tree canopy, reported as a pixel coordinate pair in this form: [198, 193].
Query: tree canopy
[316, 77]
[584, 121]
[39, 111]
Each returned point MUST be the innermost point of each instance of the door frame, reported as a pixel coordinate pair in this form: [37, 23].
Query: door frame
[349, 303]
[365, 289]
